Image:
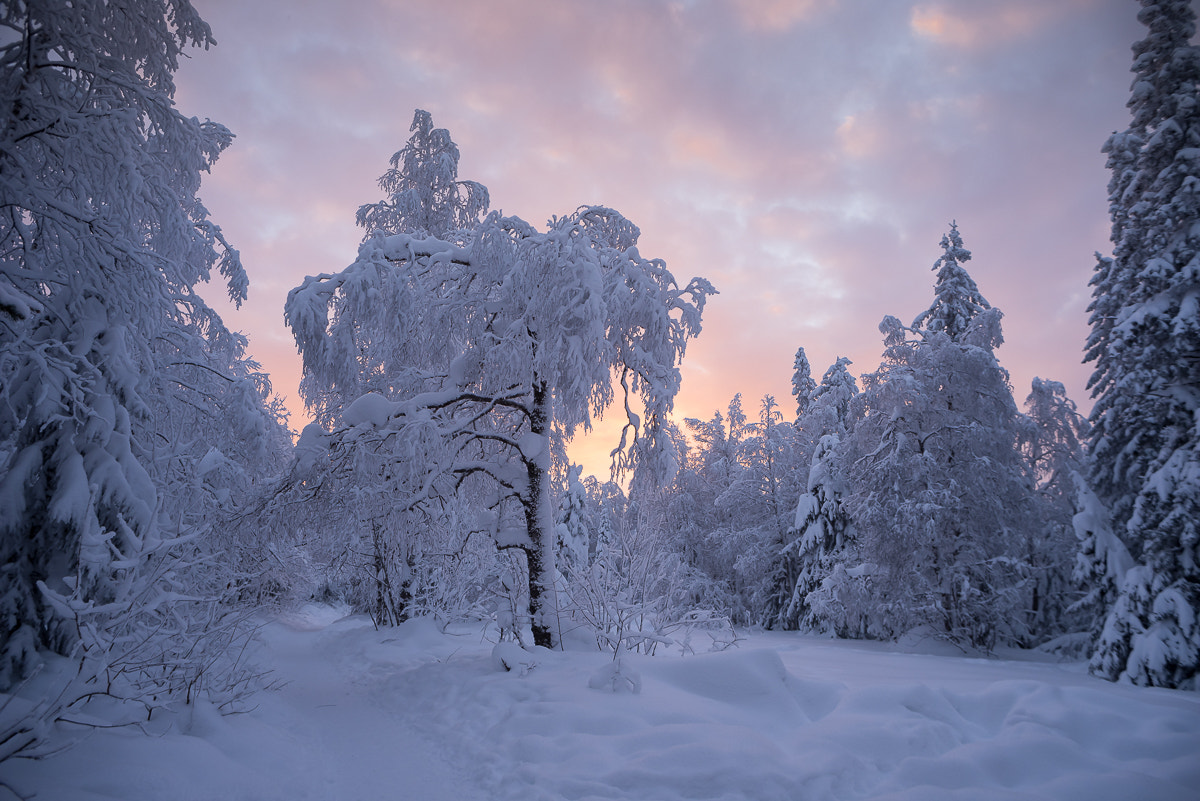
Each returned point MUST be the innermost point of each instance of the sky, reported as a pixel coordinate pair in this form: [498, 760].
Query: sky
[805, 156]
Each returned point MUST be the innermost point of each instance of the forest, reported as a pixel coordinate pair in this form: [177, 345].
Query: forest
[155, 503]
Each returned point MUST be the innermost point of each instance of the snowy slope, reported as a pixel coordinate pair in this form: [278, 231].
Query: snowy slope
[414, 713]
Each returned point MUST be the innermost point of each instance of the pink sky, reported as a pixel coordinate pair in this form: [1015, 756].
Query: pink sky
[805, 156]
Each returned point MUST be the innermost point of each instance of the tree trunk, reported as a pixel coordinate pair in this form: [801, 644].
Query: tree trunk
[539, 519]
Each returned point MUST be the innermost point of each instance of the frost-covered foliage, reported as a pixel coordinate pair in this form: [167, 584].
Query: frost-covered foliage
[637, 593]
[924, 501]
[1102, 560]
[465, 356]
[731, 507]
[337, 527]
[129, 416]
[777, 462]
[573, 526]
[424, 195]
[103, 240]
[937, 490]
[1052, 445]
[821, 526]
[802, 382]
[1145, 318]
[956, 299]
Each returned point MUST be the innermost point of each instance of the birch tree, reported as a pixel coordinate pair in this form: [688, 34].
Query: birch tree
[465, 356]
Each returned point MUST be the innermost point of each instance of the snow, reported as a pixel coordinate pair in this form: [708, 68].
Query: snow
[416, 712]
[311, 448]
[535, 448]
[372, 409]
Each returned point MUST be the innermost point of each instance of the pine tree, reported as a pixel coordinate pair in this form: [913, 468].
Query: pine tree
[1145, 342]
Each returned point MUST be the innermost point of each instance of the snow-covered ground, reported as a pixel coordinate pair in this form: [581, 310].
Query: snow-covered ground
[415, 713]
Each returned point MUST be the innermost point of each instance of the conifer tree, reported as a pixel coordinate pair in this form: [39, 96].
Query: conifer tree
[802, 382]
[938, 491]
[956, 298]
[821, 523]
[1145, 341]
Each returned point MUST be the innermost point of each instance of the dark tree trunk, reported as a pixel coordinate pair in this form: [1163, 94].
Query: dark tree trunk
[539, 520]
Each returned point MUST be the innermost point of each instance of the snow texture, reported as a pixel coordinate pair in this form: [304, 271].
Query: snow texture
[415, 713]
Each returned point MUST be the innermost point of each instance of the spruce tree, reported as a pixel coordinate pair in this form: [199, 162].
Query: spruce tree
[821, 522]
[956, 298]
[802, 382]
[1145, 343]
[938, 491]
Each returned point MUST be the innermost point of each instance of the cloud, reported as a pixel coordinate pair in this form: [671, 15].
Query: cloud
[806, 157]
[972, 25]
[777, 15]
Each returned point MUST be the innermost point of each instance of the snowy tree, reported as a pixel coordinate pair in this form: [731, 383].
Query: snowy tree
[608, 501]
[730, 508]
[638, 593]
[956, 299]
[1101, 565]
[802, 382]
[573, 526]
[1052, 443]
[104, 241]
[1145, 318]
[937, 489]
[467, 362]
[768, 491]
[712, 514]
[820, 527]
[424, 195]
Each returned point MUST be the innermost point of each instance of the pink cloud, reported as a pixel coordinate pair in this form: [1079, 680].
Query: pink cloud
[805, 157]
[970, 25]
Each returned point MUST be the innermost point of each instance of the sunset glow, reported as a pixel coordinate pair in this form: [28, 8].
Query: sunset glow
[804, 157]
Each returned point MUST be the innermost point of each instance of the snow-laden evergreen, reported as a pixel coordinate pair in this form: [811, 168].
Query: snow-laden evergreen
[956, 299]
[802, 382]
[1145, 318]
[821, 522]
[936, 487]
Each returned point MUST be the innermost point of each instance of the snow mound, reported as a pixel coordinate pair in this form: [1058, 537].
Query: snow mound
[616, 678]
[509, 656]
[371, 409]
